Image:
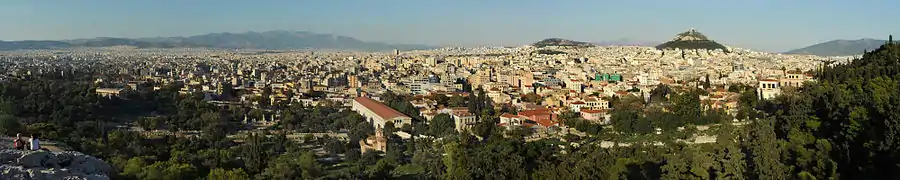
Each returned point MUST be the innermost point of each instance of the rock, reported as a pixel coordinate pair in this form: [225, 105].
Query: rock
[34, 159]
[16, 164]
[64, 158]
[89, 165]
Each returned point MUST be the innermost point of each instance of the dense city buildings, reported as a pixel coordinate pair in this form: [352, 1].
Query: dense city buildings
[540, 86]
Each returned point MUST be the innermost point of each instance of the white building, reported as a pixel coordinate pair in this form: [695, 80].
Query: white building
[768, 89]
[464, 121]
[379, 114]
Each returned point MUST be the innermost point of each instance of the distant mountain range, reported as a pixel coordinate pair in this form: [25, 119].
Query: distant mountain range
[840, 47]
[278, 40]
[626, 42]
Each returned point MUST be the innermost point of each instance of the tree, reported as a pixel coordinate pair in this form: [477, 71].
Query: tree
[134, 167]
[428, 155]
[9, 125]
[293, 166]
[441, 99]
[660, 93]
[457, 101]
[706, 82]
[731, 159]
[687, 107]
[765, 152]
[533, 98]
[388, 129]
[630, 121]
[441, 125]
[222, 174]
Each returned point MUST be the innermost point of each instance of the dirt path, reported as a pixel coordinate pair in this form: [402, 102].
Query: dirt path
[7, 143]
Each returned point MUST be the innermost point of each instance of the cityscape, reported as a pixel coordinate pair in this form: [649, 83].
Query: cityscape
[285, 104]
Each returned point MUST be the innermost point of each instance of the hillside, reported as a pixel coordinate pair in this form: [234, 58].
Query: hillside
[840, 47]
[691, 40]
[848, 118]
[250, 40]
[561, 42]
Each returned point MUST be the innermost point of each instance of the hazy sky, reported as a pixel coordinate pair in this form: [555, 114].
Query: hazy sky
[772, 25]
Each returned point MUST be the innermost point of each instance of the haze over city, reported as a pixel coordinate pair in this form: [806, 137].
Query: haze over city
[767, 25]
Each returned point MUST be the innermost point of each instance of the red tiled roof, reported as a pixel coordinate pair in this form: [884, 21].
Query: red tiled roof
[594, 111]
[546, 122]
[507, 115]
[462, 114]
[380, 109]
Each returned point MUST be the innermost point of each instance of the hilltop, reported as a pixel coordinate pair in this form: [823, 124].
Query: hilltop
[561, 42]
[691, 40]
[840, 47]
[279, 40]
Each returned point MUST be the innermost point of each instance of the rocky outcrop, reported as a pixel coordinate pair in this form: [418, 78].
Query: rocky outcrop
[17, 164]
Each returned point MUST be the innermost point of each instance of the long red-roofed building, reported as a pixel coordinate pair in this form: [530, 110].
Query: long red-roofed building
[379, 114]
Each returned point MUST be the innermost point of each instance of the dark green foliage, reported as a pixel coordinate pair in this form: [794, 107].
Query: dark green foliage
[9, 125]
[547, 52]
[293, 166]
[441, 125]
[698, 44]
[560, 42]
[533, 98]
[660, 93]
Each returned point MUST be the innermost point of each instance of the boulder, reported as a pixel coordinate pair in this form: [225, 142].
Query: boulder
[34, 159]
[9, 156]
[16, 164]
[89, 165]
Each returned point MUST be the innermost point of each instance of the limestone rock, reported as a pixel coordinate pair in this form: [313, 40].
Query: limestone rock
[16, 164]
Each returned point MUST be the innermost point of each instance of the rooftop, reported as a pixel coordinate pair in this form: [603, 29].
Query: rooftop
[380, 109]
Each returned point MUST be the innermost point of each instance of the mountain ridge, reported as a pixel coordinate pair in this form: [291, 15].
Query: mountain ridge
[276, 39]
[840, 47]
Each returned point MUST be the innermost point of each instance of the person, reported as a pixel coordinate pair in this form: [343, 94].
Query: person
[19, 143]
[35, 145]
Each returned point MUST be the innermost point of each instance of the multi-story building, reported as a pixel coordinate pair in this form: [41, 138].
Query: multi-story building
[793, 78]
[464, 121]
[768, 89]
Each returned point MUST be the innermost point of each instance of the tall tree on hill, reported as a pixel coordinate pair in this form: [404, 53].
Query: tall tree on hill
[706, 82]
[765, 152]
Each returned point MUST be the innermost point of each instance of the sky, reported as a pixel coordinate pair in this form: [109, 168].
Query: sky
[767, 25]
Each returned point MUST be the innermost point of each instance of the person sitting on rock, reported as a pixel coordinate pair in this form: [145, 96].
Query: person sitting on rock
[19, 143]
[35, 145]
